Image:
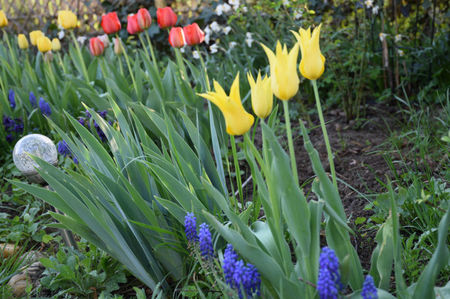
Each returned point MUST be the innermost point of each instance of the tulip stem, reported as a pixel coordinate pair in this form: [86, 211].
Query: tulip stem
[290, 141]
[83, 66]
[127, 60]
[325, 134]
[143, 46]
[180, 63]
[61, 62]
[120, 65]
[237, 170]
[208, 87]
[151, 49]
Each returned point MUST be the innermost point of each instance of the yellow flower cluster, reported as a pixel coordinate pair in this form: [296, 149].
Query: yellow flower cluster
[283, 81]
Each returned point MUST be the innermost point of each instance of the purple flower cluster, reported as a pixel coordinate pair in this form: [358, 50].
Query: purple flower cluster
[45, 107]
[369, 291]
[190, 228]
[63, 149]
[329, 280]
[12, 98]
[204, 238]
[240, 277]
[12, 127]
[33, 100]
[85, 121]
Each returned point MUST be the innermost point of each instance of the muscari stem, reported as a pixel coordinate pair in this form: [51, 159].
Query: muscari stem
[290, 141]
[238, 172]
[324, 131]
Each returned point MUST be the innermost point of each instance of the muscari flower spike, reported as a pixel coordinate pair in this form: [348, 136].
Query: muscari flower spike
[12, 98]
[329, 280]
[33, 100]
[190, 228]
[369, 291]
[204, 236]
[45, 107]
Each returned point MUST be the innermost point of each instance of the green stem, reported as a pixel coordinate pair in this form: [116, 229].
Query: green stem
[151, 50]
[61, 62]
[290, 141]
[237, 170]
[127, 60]
[103, 68]
[83, 66]
[180, 63]
[143, 46]
[254, 129]
[12, 53]
[324, 131]
[120, 64]
[205, 71]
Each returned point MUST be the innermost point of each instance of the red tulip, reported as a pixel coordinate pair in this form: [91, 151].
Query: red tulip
[96, 46]
[193, 34]
[176, 37]
[144, 19]
[132, 25]
[110, 23]
[166, 17]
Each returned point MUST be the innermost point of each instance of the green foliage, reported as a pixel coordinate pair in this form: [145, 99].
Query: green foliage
[82, 273]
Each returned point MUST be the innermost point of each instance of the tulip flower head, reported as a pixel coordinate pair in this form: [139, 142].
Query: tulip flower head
[105, 40]
[96, 46]
[312, 64]
[56, 45]
[176, 37]
[193, 34]
[262, 97]
[67, 19]
[237, 120]
[3, 19]
[117, 47]
[44, 44]
[34, 36]
[166, 17]
[144, 18]
[283, 71]
[22, 41]
[110, 23]
[132, 25]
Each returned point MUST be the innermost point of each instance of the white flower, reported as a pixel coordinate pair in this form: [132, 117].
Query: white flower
[232, 45]
[219, 10]
[226, 30]
[248, 39]
[61, 34]
[298, 14]
[182, 50]
[207, 38]
[286, 2]
[382, 36]
[375, 9]
[234, 3]
[244, 9]
[196, 55]
[368, 3]
[81, 39]
[400, 52]
[226, 8]
[398, 38]
[215, 26]
[214, 48]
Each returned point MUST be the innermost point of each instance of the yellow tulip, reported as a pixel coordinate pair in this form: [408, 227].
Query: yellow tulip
[22, 41]
[67, 19]
[3, 19]
[283, 71]
[312, 64]
[262, 97]
[237, 120]
[34, 36]
[44, 44]
[56, 45]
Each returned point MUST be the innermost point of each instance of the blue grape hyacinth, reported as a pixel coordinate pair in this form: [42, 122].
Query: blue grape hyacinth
[369, 291]
[33, 100]
[12, 98]
[204, 236]
[45, 107]
[329, 280]
[190, 228]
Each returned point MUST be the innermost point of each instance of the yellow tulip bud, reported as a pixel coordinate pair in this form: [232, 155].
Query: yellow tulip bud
[56, 45]
[312, 64]
[44, 44]
[283, 71]
[67, 19]
[262, 97]
[22, 41]
[34, 36]
[3, 19]
[237, 120]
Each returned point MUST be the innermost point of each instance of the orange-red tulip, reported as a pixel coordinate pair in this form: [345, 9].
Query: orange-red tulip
[144, 18]
[110, 23]
[176, 37]
[96, 46]
[193, 34]
[132, 25]
[166, 17]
